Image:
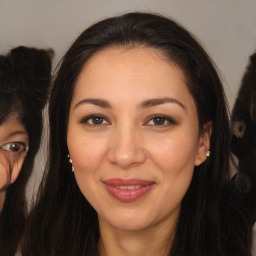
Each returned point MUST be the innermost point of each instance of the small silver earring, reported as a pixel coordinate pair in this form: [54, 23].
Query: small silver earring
[208, 153]
[70, 160]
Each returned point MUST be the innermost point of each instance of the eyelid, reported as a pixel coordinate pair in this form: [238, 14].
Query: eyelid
[88, 117]
[167, 118]
[25, 147]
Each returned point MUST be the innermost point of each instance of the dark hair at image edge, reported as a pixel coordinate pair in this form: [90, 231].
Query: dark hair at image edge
[64, 223]
[24, 82]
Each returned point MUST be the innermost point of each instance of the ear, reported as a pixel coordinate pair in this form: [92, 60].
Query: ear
[16, 168]
[203, 144]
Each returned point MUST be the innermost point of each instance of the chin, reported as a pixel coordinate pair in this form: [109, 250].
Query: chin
[130, 226]
[129, 221]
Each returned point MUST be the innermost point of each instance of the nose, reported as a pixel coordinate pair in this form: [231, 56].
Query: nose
[126, 148]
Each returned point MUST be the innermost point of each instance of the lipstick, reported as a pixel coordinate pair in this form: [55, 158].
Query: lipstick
[128, 190]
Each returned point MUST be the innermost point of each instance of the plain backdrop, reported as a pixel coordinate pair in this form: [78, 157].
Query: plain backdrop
[226, 28]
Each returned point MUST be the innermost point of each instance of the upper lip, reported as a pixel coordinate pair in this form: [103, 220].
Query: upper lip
[127, 182]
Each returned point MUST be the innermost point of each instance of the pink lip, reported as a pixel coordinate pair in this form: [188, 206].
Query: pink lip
[141, 187]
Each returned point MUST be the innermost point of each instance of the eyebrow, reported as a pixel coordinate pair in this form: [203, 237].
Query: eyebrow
[97, 102]
[145, 104]
[158, 101]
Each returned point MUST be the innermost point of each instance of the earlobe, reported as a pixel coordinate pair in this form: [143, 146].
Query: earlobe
[16, 168]
[203, 150]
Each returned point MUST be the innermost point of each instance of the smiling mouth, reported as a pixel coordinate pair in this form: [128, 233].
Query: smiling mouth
[128, 187]
[128, 190]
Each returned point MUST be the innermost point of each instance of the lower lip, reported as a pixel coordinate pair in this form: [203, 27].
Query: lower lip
[128, 195]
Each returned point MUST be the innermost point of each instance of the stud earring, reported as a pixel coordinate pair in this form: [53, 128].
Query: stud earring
[70, 160]
[208, 153]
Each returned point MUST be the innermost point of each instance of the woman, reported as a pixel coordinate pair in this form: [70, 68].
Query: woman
[139, 109]
[24, 81]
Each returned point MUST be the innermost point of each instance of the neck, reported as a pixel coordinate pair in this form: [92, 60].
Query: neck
[2, 199]
[153, 241]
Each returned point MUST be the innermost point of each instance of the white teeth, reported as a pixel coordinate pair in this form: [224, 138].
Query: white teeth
[129, 187]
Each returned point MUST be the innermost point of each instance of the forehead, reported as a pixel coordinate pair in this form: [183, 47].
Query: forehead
[124, 65]
[10, 126]
[137, 60]
[130, 74]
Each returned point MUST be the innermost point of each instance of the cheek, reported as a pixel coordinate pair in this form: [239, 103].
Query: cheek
[175, 160]
[4, 173]
[3, 177]
[86, 153]
[87, 158]
[173, 156]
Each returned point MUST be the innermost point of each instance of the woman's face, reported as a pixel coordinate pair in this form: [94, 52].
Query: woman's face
[13, 145]
[133, 136]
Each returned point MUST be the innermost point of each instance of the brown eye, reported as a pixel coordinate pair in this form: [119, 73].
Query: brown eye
[14, 147]
[95, 120]
[160, 120]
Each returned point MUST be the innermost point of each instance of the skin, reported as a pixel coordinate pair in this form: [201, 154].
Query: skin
[13, 143]
[129, 143]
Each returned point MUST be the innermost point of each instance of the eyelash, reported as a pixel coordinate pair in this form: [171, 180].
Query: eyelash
[21, 147]
[104, 121]
[94, 117]
[163, 118]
